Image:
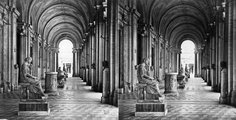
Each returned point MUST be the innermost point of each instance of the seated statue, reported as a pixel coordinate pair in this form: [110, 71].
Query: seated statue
[33, 84]
[147, 82]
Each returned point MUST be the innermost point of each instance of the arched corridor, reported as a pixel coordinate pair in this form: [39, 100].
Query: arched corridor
[109, 42]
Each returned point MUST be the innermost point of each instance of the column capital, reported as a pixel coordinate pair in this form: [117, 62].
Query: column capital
[175, 50]
[54, 49]
[198, 50]
[75, 50]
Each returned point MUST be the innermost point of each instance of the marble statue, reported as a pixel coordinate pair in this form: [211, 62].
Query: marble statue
[35, 87]
[144, 77]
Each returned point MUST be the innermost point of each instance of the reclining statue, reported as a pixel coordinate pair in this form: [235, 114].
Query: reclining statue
[146, 81]
[33, 85]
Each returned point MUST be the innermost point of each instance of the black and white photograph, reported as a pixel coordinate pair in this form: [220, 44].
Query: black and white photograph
[117, 59]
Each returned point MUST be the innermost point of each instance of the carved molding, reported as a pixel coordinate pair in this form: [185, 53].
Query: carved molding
[54, 49]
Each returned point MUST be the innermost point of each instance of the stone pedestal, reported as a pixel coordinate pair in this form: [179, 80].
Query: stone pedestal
[151, 109]
[224, 86]
[51, 83]
[105, 91]
[33, 108]
[171, 84]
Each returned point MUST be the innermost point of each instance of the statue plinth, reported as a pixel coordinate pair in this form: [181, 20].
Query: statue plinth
[32, 104]
[33, 108]
[51, 83]
[148, 108]
[149, 104]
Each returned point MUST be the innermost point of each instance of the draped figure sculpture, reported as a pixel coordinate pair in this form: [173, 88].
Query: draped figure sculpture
[35, 87]
[150, 83]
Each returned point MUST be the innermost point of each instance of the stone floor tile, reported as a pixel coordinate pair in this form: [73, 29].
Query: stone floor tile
[75, 102]
[195, 102]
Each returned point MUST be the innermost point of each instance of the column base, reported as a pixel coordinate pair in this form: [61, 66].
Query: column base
[233, 98]
[229, 98]
[208, 83]
[33, 108]
[113, 99]
[99, 88]
[88, 83]
[214, 88]
[151, 109]
[223, 99]
[105, 100]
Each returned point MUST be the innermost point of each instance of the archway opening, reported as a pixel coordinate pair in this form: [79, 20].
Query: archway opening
[65, 57]
[187, 57]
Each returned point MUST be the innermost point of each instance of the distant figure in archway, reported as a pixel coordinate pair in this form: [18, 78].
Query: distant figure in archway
[145, 78]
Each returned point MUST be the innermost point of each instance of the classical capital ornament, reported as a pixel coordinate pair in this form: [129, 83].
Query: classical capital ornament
[54, 49]
[198, 50]
[75, 50]
[175, 50]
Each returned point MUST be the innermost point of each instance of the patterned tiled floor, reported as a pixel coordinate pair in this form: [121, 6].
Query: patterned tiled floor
[195, 102]
[75, 102]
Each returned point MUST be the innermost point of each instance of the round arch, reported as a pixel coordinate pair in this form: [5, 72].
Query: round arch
[188, 57]
[65, 56]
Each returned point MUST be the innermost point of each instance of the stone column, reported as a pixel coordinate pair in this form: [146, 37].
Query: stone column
[134, 20]
[89, 59]
[233, 99]
[78, 61]
[93, 60]
[200, 62]
[15, 69]
[178, 60]
[230, 33]
[5, 54]
[130, 66]
[175, 59]
[195, 63]
[35, 55]
[100, 56]
[113, 50]
[73, 74]
[54, 59]
[1, 53]
[75, 64]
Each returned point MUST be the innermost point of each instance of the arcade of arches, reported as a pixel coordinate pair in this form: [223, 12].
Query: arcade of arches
[111, 37]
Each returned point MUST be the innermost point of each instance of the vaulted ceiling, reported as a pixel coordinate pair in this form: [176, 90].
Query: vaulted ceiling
[176, 20]
[58, 18]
